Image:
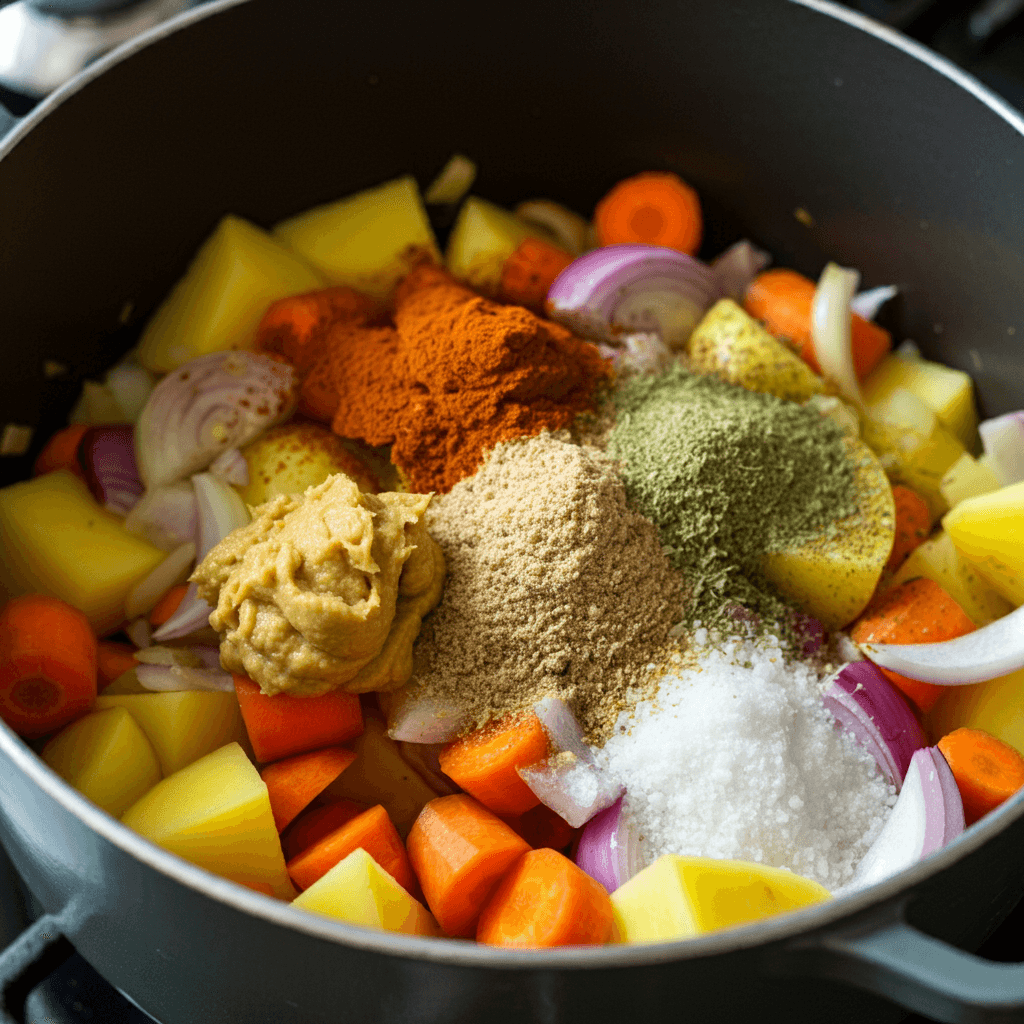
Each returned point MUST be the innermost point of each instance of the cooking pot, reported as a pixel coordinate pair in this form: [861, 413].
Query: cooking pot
[805, 127]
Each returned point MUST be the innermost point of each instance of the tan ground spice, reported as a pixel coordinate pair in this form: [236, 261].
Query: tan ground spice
[555, 588]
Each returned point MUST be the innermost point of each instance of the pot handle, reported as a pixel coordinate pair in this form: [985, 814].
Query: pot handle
[27, 961]
[890, 958]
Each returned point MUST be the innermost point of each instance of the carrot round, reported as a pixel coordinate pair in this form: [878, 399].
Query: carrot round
[916, 612]
[47, 664]
[281, 725]
[654, 208]
[545, 900]
[113, 660]
[372, 831]
[459, 851]
[913, 524]
[312, 825]
[530, 271]
[167, 605]
[484, 762]
[295, 781]
[782, 300]
[987, 770]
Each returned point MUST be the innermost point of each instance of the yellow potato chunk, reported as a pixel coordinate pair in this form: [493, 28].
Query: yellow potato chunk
[833, 576]
[730, 343]
[216, 813]
[106, 757]
[182, 726]
[237, 272]
[358, 890]
[938, 559]
[482, 239]
[59, 541]
[989, 530]
[680, 897]
[967, 478]
[366, 240]
[993, 706]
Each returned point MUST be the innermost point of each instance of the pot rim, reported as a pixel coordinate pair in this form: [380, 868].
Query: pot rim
[458, 952]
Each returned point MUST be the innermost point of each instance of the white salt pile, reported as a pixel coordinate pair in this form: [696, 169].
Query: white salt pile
[739, 759]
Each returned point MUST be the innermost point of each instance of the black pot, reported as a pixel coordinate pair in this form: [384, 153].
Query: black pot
[908, 170]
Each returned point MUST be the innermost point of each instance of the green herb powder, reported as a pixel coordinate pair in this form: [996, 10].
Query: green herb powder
[727, 474]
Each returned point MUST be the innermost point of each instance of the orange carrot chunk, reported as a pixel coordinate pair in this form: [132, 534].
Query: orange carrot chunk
[460, 851]
[113, 660]
[167, 605]
[987, 770]
[61, 452]
[47, 664]
[546, 900]
[782, 300]
[282, 725]
[913, 524]
[372, 831]
[916, 612]
[295, 781]
[484, 763]
[312, 825]
[530, 271]
[653, 208]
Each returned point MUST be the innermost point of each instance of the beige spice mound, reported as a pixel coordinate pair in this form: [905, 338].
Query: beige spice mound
[555, 588]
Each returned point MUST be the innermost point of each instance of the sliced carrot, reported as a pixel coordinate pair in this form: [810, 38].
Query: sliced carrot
[913, 524]
[782, 299]
[282, 725]
[167, 605]
[372, 831]
[545, 900]
[113, 660]
[460, 851]
[654, 208]
[542, 827]
[47, 664]
[484, 763]
[530, 271]
[916, 612]
[294, 782]
[61, 452]
[987, 770]
[312, 825]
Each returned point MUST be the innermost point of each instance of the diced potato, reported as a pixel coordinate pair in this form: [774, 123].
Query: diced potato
[834, 576]
[947, 392]
[732, 344]
[237, 272]
[106, 757]
[482, 239]
[993, 706]
[358, 890]
[680, 897]
[59, 541]
[216, 813]
[366, 240]
[967, 478]
[380, 775]
[989, 530]
[938, 559]
[182, 726]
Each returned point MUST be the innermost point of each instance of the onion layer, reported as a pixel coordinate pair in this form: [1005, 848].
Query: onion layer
[609, 849]
[108, 459]
[415, 717]
[831, 329]
[166, 516]
[737, 267]
[1003, 441]
[143, 597]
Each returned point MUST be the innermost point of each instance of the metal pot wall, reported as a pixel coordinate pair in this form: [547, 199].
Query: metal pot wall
[907, 170]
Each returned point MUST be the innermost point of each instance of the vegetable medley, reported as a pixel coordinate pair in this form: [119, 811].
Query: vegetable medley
[555, 592]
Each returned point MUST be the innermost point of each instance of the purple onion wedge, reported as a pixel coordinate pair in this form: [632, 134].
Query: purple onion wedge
[608, 848]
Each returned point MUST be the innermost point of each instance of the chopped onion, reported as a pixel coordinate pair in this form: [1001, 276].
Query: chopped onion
[166, 516]
[831, 329]
[609, 848]
[107, 455]
[640, 352]
[994, 650]
[568, 228]
[131, 385]
[142, 598]
[140, 633]
[864, 703]
[416, 717]
[620, 289]
[423, 758]
[175, 678]
[209, 404]
[928, 815]
[868, 303]
[231, 467]
[737, 267]
[1003, 441]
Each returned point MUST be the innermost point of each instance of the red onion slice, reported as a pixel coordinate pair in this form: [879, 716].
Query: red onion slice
[609, 848]
[415, 717]
[628, 288]
[231, 467]
[107, 455]
[176, 678]
[737, 267]
[864, 703]
[641, 352]
[1003, 441]
[166, 516]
